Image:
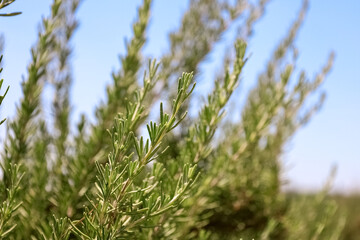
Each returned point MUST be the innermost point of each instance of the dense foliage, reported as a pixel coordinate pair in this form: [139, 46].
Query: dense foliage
[189, 177]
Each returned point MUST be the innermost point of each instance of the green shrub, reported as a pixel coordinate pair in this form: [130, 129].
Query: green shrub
[106, 181]
[350, 205]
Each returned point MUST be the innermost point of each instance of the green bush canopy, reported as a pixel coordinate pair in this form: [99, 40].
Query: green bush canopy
[188, 177]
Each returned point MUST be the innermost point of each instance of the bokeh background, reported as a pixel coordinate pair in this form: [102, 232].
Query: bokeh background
[330, 139]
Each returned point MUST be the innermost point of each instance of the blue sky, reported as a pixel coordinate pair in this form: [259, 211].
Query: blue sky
[331, 138]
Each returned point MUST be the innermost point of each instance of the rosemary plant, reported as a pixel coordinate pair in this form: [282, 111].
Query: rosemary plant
[188, 177]
[5, 3]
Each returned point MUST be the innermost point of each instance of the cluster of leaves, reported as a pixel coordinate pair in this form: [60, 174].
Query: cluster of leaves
[5, 3]
[106, 181]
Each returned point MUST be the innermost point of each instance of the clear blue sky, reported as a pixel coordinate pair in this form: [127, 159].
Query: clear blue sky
[331, 138]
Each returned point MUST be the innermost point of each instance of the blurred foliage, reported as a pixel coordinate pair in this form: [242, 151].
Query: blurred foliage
[349, 205]
[199, 177]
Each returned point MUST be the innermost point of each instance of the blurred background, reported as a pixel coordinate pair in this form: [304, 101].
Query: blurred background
[330, 139]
